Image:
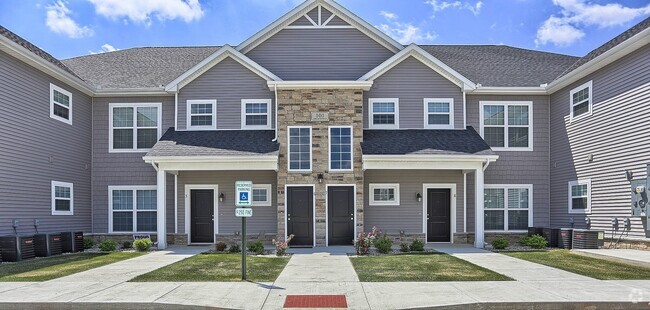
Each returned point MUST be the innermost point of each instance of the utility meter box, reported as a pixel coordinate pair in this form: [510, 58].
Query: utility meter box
[640, 197]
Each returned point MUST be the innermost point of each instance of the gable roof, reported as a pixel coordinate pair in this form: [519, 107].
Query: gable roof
[424, 142]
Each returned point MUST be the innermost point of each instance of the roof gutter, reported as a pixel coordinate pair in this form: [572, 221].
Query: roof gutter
[363, 85]
[117, 92]
[489, 90]
[275, 90]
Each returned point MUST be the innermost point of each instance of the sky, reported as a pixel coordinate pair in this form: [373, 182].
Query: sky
[69, 28]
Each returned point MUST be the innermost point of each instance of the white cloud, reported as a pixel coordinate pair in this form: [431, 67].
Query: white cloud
[404, 33]
[58, 20]
[105, 48]
[567, 27]
[438, 6]
[143, 11]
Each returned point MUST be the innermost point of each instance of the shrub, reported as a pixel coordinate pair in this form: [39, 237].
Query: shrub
[281, 246]
[365, 240]
[88, 242]
[534, 241]
[416, 246]
[107, 245]
[234, 248]
[127, 244]
[404, 247]
[255, 247]
[383, 245]
[221, 246]
[500, 243]
[142, 244]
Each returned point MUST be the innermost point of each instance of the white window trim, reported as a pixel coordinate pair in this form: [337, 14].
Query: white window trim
[371, 101]
[427, 113]
[188, 114]
[311, 150]
[53, 198]
[371, 194]
[134, 189]
[505, 209]
[267, 202]
[329, 149]
[572, 104]
[570, 195]
[52, 103]
[505, 105]
[268, 114]
[135, 115]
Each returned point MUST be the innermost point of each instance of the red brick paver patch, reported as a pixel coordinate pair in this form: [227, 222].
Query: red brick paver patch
[315, 301]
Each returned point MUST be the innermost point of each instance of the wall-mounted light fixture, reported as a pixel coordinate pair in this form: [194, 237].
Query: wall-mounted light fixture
[588, 221]
[320, 178]
[629, 175]
[222, 197]
[419, 197]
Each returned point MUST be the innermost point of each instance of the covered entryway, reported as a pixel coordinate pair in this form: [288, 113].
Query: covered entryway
[300, 215]
[438, 215]
[340, 215]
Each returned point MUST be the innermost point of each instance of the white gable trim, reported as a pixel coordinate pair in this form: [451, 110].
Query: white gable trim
[212, 60]
[330, 5]
[427, 59]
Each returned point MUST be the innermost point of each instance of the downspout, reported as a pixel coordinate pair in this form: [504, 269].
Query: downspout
[154, 166]
[486, 165]
[275, 90]
[465, 201]
[176, 110]
[464, 108]
[92, 160]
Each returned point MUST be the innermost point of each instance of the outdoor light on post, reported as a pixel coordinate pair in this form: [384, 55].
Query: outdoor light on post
[222, 197]
[419, 197]
[320, 178]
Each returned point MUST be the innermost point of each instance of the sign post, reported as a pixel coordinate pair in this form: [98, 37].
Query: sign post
[244, 193]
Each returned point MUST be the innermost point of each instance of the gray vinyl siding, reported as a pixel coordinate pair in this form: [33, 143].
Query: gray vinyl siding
[121, 169]
[228, 82]
[411, 81]
[407, 216]
[264, 219]
[519, 167]
[614, 134]
[319, 54]
[36, 149]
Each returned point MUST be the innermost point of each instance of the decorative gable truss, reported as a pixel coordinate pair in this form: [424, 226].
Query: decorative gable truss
[319, 17]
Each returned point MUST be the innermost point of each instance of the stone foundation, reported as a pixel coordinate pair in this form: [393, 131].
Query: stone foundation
[236, 238]
[468, 238]
[172, 239]
[628, 244]
[404, 238]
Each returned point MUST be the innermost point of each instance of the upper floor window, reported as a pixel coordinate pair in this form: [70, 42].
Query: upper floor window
[341, 148]
[439, 113]
[384, 195]
[507, 126]
[133, 208]
[299, 148]
[384, 113]
[201, 114]
[60, 104]
[508, 207]
[256, 114]
[580, 196]
[134, 127]
[261, 195]
[62, 198]
[581, 100]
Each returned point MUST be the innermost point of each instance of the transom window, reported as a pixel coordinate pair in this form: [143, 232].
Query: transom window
[256, 114]
[134, 127]
[384, 195]
[507, 126]
[580, 196]
[133, 208]
[581, 100]
[384, 113]
[439, 113]
[508, 207]
[62, 198]
[299, 148]
[261, 195]
[340, 148]
[60, 104]
[201, 114]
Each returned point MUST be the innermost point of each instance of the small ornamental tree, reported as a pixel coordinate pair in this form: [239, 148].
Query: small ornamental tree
[365, 241]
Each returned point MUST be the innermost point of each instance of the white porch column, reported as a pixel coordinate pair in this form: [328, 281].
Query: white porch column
[479, 233]
[162, 229]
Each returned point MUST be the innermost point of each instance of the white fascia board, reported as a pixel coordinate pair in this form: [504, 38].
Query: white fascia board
[125, 92]
[179, 163]
[363, 85]
[444, 158]
[482, 90]
[628, 46]
[432, 162]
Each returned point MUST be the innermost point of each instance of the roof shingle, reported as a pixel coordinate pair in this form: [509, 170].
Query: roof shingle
[424, 142]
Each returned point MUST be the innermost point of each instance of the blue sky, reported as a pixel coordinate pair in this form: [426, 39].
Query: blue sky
[68, 28]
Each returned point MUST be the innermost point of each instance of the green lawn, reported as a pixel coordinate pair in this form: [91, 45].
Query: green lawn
[588, 266]
[217, 267]
[47, 268]
[420, 268]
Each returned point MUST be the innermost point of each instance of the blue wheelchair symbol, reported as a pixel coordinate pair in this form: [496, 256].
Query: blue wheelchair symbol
[243, 196]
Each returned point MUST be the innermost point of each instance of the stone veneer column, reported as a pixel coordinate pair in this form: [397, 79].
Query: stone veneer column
[345, 108]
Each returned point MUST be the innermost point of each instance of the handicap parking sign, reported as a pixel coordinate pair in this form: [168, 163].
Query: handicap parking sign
[244, 190]
[243, 196]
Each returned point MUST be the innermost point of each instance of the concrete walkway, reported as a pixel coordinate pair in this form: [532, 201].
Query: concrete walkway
[630, 256]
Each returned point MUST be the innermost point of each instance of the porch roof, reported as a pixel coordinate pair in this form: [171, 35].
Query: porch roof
[425, 142]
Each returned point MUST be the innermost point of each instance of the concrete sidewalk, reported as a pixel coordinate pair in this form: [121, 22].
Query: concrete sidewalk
[630, 256]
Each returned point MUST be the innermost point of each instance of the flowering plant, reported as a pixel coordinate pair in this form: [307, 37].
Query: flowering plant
[365, 240]
[281, 246]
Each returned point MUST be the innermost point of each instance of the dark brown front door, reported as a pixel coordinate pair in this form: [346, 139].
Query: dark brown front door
[300, 215]
[438, 215]
[202, 211]
[340, 215]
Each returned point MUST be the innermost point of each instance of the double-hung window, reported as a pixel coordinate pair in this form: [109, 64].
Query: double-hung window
[384, 113]
[507, 126]
[261, 195]
[580, 196]
[581, 100]
[299, 148]
[60, 104]
[384, 194]
[508, 207]
[134, 127]
[256, 114]
[201, 114]
[62, 198]
[340, 148]
[439, 113]
[132, 208]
